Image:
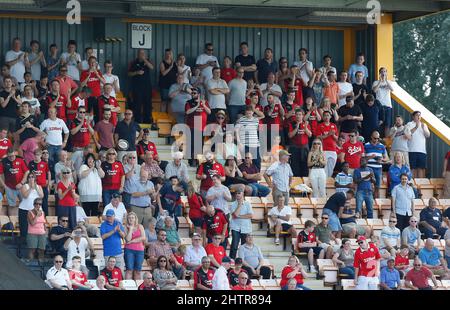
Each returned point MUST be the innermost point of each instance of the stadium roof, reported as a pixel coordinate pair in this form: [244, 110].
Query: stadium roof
[298, 12]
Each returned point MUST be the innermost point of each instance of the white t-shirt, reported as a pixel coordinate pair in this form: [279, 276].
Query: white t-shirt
[54, 130]
[202, 60]
[27, 204]
[36, 68]
[216, 101]
[219, 203]
[60, 277]
[33, 102]
[80, 214]
[263, 87]
[307, 66]
[186, 74]
[220, 279]
[417, 143]
[17, 70]
[77, 250]
[111, 79]
[72, 65]
[238, 88]
[120, 212]
[285, 211]
[383, 94]
[344, 87]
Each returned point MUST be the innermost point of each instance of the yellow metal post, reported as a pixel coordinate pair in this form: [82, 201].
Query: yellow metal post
[384, 55]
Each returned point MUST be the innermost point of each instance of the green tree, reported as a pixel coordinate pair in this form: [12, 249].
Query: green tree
[421, 61]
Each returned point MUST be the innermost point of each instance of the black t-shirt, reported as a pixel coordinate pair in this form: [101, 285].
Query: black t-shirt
[356, 89]
[139, 81]
[264, 68]
[233, 277]
[28, 132]
[128, 132]
[245, 62]
[447, 213]
[165, 81]
[335, 202]
[11, 108]
[349, 219]
[349, 125]
[58, 230]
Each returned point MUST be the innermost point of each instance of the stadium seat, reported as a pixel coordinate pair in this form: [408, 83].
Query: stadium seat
[321, 263]
[438, 184]
[446, 283]
[129, 285]
[94, 220]
[99, 263]
[184, 285]
[98, 243]
[51, 221]
[256, 285]
[259, 209]
[384, 207]
[305, 207]
[92, 282]
[419, 204]
[348, 284]
[269, 284]
[425, 187]
[139, 282]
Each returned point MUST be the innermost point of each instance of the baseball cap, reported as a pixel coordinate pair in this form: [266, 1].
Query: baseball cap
[226, 259]
[361, 238]
[115, 195]
[237, 261]
[284, 153]
[110, 212]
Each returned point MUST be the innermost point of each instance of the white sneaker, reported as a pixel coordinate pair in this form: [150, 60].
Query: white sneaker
[277, 241]
[312, 269]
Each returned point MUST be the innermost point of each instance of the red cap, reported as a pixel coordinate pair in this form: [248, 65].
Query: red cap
[361, 238]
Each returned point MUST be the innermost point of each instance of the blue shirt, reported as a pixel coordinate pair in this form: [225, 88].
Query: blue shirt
[264, 68]
[395, 172]
[430, 257]
[378, 150]
[112, 246]
[432, 217]
[365, 184]
[343, 179]
[404, 196]
[242, 225]
[354, 68]
[137, 186]
[391, 277]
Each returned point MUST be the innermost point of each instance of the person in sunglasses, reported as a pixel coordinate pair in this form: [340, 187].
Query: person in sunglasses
[376, 155]
[78, 245]
[419, 277]
[59, 234]
[58, 277]
[207, 61]
[80, 135]
[367, 265]
[390, 237]
[37, 233]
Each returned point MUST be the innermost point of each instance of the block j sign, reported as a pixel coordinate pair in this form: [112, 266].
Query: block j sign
[141, 36]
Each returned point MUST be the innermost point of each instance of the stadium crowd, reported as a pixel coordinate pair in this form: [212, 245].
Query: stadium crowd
[62, 133]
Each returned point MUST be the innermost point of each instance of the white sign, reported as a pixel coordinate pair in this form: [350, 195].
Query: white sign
[141, 36]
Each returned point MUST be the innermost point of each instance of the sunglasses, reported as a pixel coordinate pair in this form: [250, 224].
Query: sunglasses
[351, 136]
[413, 221]
[194, 93]
[248, 158]
[44, 153]
[360, 242]
[82, 112]
[37, 204]
[111, 154]
[65, 221]
[62, 70]
[58, 261]
[392, 221]
[162, 261]
[417, 265]
[220, 117]
[210, 49]
[316, 143]
[324, 218]
[66, 173]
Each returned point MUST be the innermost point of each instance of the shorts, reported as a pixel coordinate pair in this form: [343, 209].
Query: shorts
[36, 241]
[347, 228]
[417, 160]
[439, 272]
[134, 259]
[12, 195]
[316, 250]
[325, 246]
[285, 227]
[377, 172]
[198, 222]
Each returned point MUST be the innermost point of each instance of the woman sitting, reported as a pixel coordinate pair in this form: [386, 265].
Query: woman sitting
[234, 178]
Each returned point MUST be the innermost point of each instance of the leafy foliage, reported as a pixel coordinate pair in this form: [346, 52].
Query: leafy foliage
[421, 61]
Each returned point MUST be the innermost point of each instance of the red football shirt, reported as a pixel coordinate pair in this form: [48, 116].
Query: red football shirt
[217, 251]
[102, 100]
[304, 236]
[209, 170]
[419, 278]
[328, 143]
[113, 175]
[241, 288]
[288, 108]
[214, 224]
[13, 171]
[366, 261]
[227, 74]
[353, 153]
[76, 103]
[401, 260]
[68, 200]
[61, 105]
[93, 82]
[284, 279]
[5, 144]
[82, 138]
[199, 114]
[273, 118]
[299, 92]
[78, 276]
[113, 276]
[300, 138]
[312, 120]
[195, 203]
[143, 147]
[41, 170]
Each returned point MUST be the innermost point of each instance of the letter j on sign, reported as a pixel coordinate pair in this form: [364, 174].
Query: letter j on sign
[141, 36]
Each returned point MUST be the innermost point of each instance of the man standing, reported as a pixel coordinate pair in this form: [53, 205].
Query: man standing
[382, 89]
[217, 89]
[364, 177]
[206, 171]
[141, 88]
[214, 223]
[373, 116]
[72, 60]
[367, 265]
[17, 60]
[80, 131]
[59, 101]
[107, 101]
[349, 116]
[104, 132]
[9, 101]
[306, 67]
[400, 135]
[112, 233]
[240, 222]
[358, 67]
[403, 202]
[219, 195]
[247, 134]
[265, 66]
[417, 145]
[207, 61]
[236, 102]
[376, 156]
[67, 86]
[328, 133]
[299, 133]
[245, 61]
[279, 177]
[142, 190]
[352, 151]
[13, 175]
[360, 89]
[128, 130]
[270, 88]
[114, 178]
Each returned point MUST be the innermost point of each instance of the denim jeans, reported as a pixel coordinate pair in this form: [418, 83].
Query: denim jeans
[53, 157]
[233, 111]
[447, 258]
[237, 236]
[367, 196]
[349, 270]
[107, 195]
[259, 189]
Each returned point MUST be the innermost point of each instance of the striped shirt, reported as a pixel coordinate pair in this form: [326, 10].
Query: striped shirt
[392, 235]
[248, 131]
[378, 149]
[343, 179]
